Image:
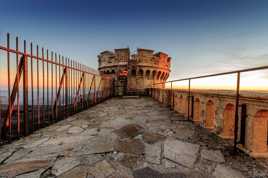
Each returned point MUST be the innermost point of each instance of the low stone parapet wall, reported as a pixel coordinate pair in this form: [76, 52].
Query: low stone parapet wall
[216, 112]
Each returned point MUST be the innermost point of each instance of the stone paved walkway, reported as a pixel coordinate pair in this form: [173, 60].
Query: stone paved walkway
[125, 138]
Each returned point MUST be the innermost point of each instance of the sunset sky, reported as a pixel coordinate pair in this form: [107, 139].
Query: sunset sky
[201, 36]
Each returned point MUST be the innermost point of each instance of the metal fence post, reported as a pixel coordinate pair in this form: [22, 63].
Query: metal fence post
[189, 95]
[25, 91]
[236, 109]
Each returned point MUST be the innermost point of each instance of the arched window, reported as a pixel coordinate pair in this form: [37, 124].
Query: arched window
[153, 74]
[140, 72]
[158, 75]
[228, 121]
[259, 132]
[197, 108]
[133, 72]
[210, 115]
[148, 74]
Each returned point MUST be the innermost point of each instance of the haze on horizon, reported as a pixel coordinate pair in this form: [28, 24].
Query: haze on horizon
[202, 37]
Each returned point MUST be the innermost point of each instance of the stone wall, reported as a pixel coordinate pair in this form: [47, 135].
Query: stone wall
[216, 112]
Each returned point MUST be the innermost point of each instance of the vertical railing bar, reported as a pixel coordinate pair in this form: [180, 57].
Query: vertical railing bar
[56, 85]
[8, 80]
[189, 95]
[38, 104]
[47, 75]
[18, 91]
[237, 98]
[52, 84]
[172, 95]
[43, 87]
[66, 87]
[59, 105]
[71, 85]
[25, 91]
[32, 89]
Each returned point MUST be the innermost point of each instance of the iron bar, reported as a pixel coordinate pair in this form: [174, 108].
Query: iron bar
[189, 95]
[32, 89]
[37, 87]
[236, 109]
[18, 90]
[25, 92]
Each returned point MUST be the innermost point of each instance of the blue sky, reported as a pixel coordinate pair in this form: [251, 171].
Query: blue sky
[201, 36]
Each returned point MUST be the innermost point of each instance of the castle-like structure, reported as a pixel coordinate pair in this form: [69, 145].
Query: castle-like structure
[133, 73]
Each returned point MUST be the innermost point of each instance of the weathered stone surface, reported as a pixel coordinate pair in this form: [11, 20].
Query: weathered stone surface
[212, 155]
[153, 153]
[13, 169]
[150, 137]
[101, 169]
[116, 123]
[134, 146]
[63, 128]
[222, 171]
[36, 143]
[130, 130]
[169, 164]
[181, 152]
[121, 171]
[96, 145]
[34, 174]
[75, 130]
[64, 165]
[77, 172]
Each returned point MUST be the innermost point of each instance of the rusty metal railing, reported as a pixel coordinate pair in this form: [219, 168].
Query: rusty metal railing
[237, 91]
[38, 90]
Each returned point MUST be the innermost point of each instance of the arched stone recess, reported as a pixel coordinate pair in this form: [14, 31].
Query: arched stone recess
[140, 73]
[162, 76]
[228, 121]
[147, 74]
[153, 75]
[133, 72]
[197, 111]
[259, 134]
[158, 75]
[181, 104]
[176, 102]
[210, 115]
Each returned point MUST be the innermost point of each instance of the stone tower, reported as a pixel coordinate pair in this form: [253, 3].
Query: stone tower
[132, 74]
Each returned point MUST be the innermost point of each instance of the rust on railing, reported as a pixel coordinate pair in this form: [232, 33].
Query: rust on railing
[39, 88]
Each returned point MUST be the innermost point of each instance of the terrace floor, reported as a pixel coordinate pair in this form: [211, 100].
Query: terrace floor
[125, 138]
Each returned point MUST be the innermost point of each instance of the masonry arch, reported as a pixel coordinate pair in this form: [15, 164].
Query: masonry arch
[113, 71]
[140, 72]
[147, 74]
[259, 132]
[166, 76]
[158, 75]
[197, 110]
[210, 115]
[181, 104]
[133, 72]
[228, 121]
[162, 76]
[153, 74]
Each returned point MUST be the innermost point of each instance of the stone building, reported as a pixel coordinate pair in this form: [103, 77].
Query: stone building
[133, 73]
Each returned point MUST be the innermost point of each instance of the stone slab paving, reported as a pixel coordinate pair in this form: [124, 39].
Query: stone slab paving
[126, 138]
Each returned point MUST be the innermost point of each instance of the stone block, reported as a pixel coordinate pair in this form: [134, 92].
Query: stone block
[181, 152]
